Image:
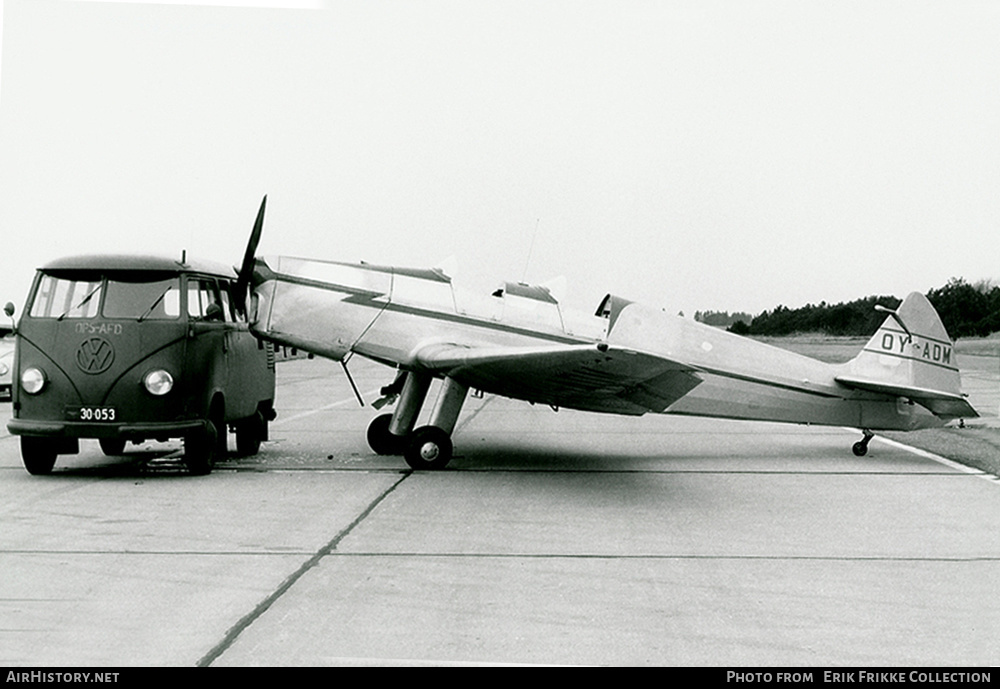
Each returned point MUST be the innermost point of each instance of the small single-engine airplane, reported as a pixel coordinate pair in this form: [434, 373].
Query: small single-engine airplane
[624, 359]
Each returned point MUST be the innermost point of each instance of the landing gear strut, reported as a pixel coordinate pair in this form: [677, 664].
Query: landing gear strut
[427, 447]
[860, 448]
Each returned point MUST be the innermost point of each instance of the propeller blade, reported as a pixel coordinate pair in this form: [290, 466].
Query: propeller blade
[246, 268]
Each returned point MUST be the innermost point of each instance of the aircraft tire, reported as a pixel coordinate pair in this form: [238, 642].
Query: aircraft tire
[429, 447]
[860, 448]
[381, 441]
[38, 454]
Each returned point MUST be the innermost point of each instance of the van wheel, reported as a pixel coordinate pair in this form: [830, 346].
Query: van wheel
[249, 434]
[200, 449]
[38, 455]
[112, 446]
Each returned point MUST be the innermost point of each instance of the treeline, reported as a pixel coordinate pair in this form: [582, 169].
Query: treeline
[967, 310]
[721, 319]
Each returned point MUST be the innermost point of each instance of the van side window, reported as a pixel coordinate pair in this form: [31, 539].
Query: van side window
[201, 294]
[227, 305]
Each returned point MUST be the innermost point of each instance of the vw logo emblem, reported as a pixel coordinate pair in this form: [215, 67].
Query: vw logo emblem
[95, 355]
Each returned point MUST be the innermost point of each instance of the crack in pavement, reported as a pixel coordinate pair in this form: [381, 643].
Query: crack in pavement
[234, 632]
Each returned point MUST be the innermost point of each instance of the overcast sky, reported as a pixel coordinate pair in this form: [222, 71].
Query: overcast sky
[693, 155]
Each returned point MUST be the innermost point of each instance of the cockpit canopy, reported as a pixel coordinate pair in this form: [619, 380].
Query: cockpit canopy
[610, 307]
[526, 291]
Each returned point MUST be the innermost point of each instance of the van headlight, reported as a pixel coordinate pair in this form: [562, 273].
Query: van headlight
[158, 382]
[32, 380]
[3, 368]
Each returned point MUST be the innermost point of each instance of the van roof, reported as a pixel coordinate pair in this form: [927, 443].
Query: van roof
[134, 262]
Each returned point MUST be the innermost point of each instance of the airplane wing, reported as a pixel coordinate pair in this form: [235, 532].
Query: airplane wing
[588, 377]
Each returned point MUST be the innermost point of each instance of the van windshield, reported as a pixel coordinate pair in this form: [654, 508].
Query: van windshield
[141, 297]
[67, 297]
[143, 300]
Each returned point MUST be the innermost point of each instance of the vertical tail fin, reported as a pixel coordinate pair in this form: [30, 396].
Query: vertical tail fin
[911, 356]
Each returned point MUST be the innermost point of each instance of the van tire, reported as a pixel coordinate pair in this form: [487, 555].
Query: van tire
[38, 455]
[112, 447]
[200, 450]
[250, 433]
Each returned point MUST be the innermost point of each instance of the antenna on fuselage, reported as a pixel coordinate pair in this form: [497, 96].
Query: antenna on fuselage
[531, 248]
[895, 317]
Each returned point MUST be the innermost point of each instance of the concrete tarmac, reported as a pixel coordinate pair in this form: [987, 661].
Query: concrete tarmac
[552, 538]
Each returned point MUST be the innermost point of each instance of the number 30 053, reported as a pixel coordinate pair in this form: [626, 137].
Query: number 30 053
[97, 414]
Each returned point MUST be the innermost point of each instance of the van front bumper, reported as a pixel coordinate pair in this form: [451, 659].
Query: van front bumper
[75, 429]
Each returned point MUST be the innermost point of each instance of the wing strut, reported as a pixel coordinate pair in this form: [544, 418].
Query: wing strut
[350, 379]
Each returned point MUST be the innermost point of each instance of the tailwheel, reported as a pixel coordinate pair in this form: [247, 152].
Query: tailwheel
[428, 447]
[860, 448]
[381, 440]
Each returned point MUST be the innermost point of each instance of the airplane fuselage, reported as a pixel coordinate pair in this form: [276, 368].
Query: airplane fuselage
[391, 315]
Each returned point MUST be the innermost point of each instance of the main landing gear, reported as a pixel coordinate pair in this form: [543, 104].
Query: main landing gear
[426, 447]
[860, 448]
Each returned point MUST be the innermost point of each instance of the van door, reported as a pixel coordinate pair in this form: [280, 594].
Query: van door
[250, 362]
[206, 370]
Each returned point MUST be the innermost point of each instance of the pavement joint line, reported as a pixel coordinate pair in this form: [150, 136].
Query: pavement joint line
[93, 472]
[652, 556]
[234, 632]
[166, 470]
[520, 556]
[543, 470]
[225, 553]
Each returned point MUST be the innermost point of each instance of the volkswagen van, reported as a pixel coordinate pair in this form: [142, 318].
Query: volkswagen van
[6, 364]
[133, 348]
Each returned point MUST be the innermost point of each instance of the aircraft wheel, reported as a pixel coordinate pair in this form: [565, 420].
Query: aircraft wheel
[200, 450]
[38, 455]
[112, 447]
[860, 448]
[381, 440]
[428, 448]
[249, 435]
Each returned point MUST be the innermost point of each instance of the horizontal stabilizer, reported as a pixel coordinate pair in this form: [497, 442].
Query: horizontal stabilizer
[940, 403]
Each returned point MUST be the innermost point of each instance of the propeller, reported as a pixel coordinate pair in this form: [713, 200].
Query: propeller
[246, 268]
